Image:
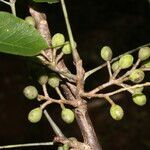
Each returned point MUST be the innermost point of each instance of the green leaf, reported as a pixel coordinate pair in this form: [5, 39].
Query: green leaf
[18, 37]
[48, 1]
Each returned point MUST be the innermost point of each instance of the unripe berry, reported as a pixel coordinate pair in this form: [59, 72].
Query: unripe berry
[137, 76]
[139, 99]
[53, 80]
[106, 53]
[146, 64]
[30, 20]
[58, 40]
[67, 48]
[115, 66]
[116, 112]
[144, 53]
[67, 115]
[126, 61]
[43, 79]
[30, 92]
[35, 115]
[138, 90]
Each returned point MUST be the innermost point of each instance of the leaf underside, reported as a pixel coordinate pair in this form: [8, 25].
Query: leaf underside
[48, 1]
[18, 37]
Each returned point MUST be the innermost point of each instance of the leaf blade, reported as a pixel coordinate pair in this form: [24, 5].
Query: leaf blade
[18, 37]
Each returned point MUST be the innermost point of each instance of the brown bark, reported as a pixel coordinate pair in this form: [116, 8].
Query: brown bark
[72, 92]
[87, 128]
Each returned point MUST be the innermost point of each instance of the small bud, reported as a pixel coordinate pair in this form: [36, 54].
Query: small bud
[137, 76]
[30, 20]
[106, 53]
[67, 115]
[139, 99]
[53, 80]
[116, 112]
[30, 92]
[115, 66]
[144, 53]
[43, 79]
[35, 115]
[126, 61]
[58, 40]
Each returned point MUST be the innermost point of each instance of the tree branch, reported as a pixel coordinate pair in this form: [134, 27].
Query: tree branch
[88, 133]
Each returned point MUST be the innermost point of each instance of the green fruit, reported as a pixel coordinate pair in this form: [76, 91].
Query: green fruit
[139, 99]
[35, 115]
[116, 112]
[53, 80]
[144, 53]
[58, 40]
[67, 115]
[43, 79]
[137, 76]
[30, 92]
[115, 66]
[30, 20]
[65, 147]
[146, 63]
[138, 90]
[126, 61]
[67, 49]
[106, 53]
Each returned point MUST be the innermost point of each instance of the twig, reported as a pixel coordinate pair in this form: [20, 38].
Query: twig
[61, 96]
[100, 87]
[59, 57]
[5, 2]
[116, 73]
[59, 93]
[146, 69]
[78, 62]
[101, 95]
[56, 129]
[109, 100]
[45, 91]
[128, 88]
[13, 6]
[76, 56]
[11, 3]
[27, 145]
[90, 72]
[57, 101]
[109, 69]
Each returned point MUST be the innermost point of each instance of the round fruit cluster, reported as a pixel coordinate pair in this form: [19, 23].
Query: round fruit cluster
[58, 41]
[31, 93]
[136, 75]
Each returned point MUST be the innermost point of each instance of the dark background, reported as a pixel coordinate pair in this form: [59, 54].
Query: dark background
[121, 24]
